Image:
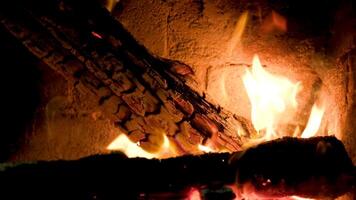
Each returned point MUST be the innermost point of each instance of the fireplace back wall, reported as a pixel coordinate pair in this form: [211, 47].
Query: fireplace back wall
[56, 117]
[66, 122]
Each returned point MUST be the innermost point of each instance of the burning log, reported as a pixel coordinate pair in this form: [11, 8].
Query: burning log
[144, 95]
[315, 168]
[147, 96]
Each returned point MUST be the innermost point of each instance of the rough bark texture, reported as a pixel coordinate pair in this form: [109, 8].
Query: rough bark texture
[316, 167]
[298, 167]
[145, 96]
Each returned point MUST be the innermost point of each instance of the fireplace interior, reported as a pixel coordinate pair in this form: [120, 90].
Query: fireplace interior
[163, 79]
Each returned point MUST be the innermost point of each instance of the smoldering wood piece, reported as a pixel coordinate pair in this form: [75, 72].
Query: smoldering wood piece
[144, 95]
[316, 167]
[114, 176]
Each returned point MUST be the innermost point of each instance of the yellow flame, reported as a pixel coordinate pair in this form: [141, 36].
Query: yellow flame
[269, 96]
[110, 4]
[124, 144]
[300, 198]
[166, 150]
[239, 30]
[314, 122]
[205, 149]
[132, 150]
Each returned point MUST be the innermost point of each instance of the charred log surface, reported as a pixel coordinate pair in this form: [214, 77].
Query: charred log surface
[144, 95]
[317, 167]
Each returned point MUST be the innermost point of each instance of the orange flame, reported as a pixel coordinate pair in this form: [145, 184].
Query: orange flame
[123, 143]
[237, 34]
[314, 122]
[274, 22]
[205, 149]
[299, 198]
[132, 150]
[193, 194]
[269, 95]
[110, 4]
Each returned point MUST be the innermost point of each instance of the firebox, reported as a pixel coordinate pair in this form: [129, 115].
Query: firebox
[198, 95]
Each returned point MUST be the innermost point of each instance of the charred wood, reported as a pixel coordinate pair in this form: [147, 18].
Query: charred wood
[84, 43]
[315, 168]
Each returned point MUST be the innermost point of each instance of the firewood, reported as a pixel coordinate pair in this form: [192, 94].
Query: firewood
[84, 43]
[316, 168]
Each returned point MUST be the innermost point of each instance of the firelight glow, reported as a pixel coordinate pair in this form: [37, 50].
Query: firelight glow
[269, 95]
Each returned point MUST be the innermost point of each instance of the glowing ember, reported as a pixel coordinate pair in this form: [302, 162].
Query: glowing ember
[299, 198]
[251, 195]
[270, 95]
[314, 122]
[132, 150]
[193, 194]
[97, 35]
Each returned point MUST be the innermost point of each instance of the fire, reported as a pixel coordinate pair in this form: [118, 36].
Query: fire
[237, 34]
[193, 194]
[110, 4]
[299, 198]
[123, 143]
[205, 149]
[314, 122]
[270, 95]
[132, 150]
[274, 22]
[272, 98]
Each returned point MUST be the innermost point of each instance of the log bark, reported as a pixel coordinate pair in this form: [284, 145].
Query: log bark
[144, 95]
[315, 168]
